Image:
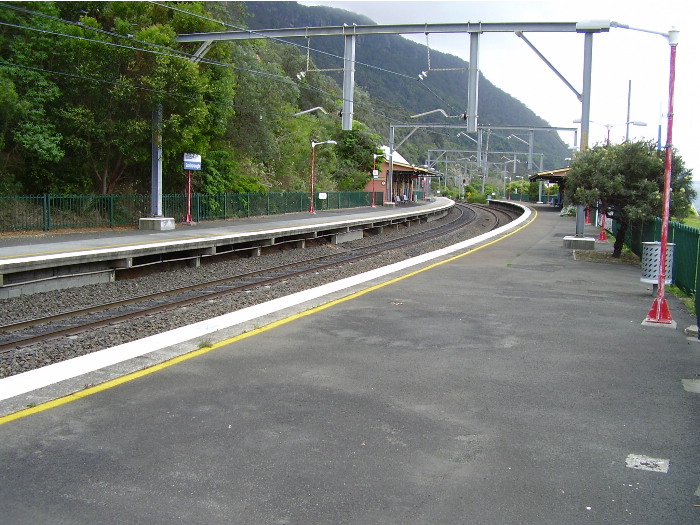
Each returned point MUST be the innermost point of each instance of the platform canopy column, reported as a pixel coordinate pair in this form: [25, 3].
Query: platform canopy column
[348, 81]
[473, 88]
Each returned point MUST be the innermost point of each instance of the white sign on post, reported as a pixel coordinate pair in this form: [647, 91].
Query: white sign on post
[193, 161]
[375, 174]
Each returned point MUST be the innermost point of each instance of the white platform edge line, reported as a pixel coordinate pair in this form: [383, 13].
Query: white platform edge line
[51, 374]
[193, 239]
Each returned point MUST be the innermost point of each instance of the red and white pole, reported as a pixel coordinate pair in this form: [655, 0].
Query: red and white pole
[188, 214]
[659, 312]
[602, 236]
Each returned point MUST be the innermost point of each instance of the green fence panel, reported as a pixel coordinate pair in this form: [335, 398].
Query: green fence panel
[48, 212]
[686, 252]
[22, 213]
[685, 256]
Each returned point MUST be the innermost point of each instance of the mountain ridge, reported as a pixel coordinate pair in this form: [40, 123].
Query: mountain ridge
[446, 90]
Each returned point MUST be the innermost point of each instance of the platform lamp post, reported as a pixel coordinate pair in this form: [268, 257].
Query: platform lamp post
[312, 208]
[659, 313]
[627, 133]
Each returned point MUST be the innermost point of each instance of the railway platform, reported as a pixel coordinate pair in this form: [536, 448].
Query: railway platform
[34, 264]
[502, 382]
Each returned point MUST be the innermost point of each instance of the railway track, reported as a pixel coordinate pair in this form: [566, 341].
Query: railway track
[29, 332]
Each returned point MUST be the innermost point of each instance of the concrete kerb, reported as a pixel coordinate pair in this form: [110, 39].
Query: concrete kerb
[65, 378]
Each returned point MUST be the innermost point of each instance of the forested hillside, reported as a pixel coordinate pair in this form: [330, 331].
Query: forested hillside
[393, 53]
[80, 81]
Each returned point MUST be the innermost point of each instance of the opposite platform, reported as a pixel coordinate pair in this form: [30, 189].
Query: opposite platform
[29, 265]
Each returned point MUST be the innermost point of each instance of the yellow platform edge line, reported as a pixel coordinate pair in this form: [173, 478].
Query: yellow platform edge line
[201, 351]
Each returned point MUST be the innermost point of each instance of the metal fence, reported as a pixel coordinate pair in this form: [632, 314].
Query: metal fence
[686, 253]
[50, 212]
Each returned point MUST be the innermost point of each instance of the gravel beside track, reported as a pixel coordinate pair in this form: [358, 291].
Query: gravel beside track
[40, 304]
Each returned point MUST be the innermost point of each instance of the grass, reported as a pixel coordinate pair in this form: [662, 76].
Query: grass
[626, 257]
[693, 221]
[687, 300]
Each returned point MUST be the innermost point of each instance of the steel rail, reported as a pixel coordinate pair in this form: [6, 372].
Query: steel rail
[227, 286]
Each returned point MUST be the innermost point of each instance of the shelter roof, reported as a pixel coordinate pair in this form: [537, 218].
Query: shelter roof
[557, 176]
[401, 164]
[398, 158]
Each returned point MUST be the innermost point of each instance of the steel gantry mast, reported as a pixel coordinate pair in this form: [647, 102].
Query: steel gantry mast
[474, 29]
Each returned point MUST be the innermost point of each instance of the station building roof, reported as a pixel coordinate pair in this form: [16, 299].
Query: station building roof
[558, 176]
[401, 164]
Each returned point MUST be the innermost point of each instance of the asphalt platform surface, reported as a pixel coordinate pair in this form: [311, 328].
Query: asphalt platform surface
[52, 242]
[509, 385]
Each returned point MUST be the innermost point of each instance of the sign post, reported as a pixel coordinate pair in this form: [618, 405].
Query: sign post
[193, 162]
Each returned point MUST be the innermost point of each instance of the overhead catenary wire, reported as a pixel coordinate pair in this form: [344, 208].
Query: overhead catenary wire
[280, 40]
[141, 88]
[281, 78]
[161, 50]
[307, 47]
[173, 53]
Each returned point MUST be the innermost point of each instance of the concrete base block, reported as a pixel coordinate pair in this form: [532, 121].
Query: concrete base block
[692, 331]
[60, 283]
[389, 204]
[672, 324]
[157, 223]
[579, 243]
[347, 236]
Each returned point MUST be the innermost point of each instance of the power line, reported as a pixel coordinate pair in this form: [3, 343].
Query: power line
[181, 55]
[160, 50]
[139, 88]
[167, 53]
[307, 47]
[287, 42]
[280, 78]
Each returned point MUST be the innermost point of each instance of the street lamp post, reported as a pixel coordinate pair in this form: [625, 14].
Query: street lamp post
[610, 126]
[659, 313]
[312, 209]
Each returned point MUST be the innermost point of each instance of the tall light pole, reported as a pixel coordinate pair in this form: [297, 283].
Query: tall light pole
[608, 127]
[659, 313]
[312, 209]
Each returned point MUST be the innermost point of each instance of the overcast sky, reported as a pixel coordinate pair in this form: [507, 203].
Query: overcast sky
[619, 56]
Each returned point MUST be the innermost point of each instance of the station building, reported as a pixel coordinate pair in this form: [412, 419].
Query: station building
[408, 183]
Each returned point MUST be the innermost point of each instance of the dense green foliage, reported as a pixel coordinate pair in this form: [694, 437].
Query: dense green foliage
[628, 179]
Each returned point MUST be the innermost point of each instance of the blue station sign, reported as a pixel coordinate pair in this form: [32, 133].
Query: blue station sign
[193, 161]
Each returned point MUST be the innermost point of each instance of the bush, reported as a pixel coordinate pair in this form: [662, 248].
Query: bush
[568, 211]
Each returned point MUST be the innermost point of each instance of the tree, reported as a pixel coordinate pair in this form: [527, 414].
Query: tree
[356, 148]
[30, 143]
[627, 179]
[108, 126]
